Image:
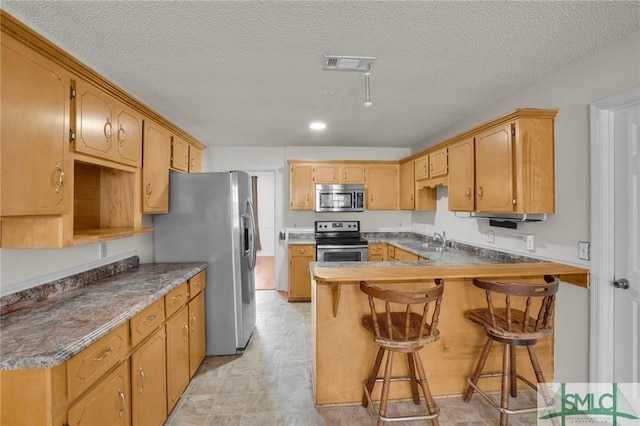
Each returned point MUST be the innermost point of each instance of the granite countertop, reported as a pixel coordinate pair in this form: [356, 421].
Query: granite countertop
[50, 332]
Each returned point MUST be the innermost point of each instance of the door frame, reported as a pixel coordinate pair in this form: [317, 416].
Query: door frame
[601, 295]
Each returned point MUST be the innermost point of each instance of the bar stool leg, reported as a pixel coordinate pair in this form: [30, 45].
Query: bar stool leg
[412, 374]
[431, 405]
[504, 397]
[476, 373]
[373, 376]
[514, 377]
[385, 388]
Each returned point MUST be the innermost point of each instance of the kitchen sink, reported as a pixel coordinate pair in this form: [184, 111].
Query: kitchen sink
[426, 247]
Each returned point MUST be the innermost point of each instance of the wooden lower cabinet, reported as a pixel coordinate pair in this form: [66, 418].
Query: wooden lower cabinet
[299, 277]
[148, 382]
[377, 252]
[405, 255]
[107, 404]
[177, 356]
[196, 333]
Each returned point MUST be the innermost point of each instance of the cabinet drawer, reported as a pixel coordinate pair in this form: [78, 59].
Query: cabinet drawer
[197, 284]
[88, 366]
[146, 322]
[302, 250]
[176, 298]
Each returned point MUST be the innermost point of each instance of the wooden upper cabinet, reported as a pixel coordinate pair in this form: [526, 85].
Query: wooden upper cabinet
[461, 176]
[128, 132]
[422, 167]
[35, 167]
[438, 163]
[301, 187]
[155, 168]
[179, 154]
[195, 159]
[382, 186]
[352, 174]
[326, 173]
[407, 186]
[494, 170]
[107, 128]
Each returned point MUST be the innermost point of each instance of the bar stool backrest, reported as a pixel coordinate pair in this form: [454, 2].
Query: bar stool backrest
[406, 316]
[515, 320]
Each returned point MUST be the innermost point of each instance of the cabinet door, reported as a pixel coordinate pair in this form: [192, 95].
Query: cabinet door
[461, 176]
[422, 167]
[34, 134]
[438, 163]
[301, 187]
[377, 252]
[352, 174]
[128, 136]
[326, 173]
[107, 404]
[155, 169]
[197, 333]
[494, 170]
[179, 154]
[299, 276]
[195, 160]
[177, 356]
[407, 186]
[382, 187]
[148, 382]
[405, 255]
[95, 113]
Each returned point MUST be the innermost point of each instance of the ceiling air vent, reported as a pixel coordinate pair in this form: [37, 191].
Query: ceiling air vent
[348, 63]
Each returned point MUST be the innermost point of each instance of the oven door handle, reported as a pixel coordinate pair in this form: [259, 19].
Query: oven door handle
[341, 246]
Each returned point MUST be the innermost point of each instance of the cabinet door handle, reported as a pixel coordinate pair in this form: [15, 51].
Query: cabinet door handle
[345, 176]
[193, 322]
[122, 134]
[144, 380]
[108, 129]
[60, 177]
[124, 403]
[149, 190]
[468, 192]
[480, 192]
[186, 331]
[151, 318]
[176, 298]
[103, 356]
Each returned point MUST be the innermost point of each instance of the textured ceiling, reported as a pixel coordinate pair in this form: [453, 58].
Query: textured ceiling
[250, 73]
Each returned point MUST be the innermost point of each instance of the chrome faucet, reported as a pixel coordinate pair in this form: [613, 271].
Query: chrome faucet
[440, 238]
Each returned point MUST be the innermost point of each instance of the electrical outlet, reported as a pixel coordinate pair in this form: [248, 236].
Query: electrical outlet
[529, 242]
[102, 253]
[583, 250]
[491, 236]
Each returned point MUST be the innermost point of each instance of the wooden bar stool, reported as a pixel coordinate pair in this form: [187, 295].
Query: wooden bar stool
[404, 330]
[513, 326]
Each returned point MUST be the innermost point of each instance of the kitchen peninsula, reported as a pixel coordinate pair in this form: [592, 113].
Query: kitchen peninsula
[343, 352]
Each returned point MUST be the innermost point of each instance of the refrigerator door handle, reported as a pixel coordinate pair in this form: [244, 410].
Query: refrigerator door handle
[252, 236]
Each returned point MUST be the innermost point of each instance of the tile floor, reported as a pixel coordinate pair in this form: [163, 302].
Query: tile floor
[270, 384]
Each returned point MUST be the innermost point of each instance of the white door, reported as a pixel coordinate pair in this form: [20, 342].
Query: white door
[626, 368]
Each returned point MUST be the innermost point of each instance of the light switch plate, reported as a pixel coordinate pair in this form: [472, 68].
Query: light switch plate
[584, 250]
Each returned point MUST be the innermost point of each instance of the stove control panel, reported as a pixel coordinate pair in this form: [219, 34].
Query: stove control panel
[338, 226]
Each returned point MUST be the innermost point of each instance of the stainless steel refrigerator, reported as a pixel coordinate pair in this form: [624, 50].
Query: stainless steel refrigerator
[211, 219]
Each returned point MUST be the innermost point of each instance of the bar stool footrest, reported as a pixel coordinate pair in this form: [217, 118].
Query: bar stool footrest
[373, 410]
[495, 405]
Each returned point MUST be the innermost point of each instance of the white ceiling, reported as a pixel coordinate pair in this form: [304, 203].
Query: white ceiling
[250, 73]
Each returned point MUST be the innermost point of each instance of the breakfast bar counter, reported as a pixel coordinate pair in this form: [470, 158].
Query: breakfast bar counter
[343, 352]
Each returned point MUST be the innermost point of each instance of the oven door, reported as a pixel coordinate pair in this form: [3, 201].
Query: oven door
[341, 253]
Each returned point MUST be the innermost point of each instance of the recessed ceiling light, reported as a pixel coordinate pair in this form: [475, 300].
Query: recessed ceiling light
[317, 125]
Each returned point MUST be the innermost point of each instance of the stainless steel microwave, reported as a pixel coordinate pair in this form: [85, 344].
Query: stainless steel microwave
[339, 198]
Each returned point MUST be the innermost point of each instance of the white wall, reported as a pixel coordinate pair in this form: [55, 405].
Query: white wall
[571, 90]
[26, 268]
